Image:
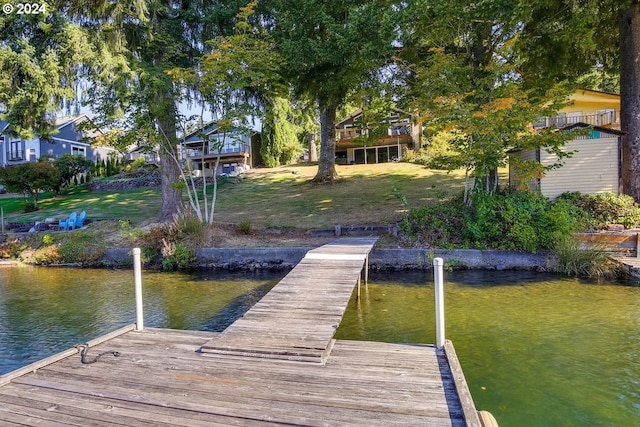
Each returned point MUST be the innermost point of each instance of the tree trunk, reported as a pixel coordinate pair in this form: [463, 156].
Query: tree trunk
[327, 162]
[313, 151]
[172, 203]
[630, 98]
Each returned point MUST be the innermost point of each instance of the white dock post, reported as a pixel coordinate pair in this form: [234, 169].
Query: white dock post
[137, 273]
[439, 288]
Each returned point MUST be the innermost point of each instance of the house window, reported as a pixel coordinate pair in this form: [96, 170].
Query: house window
[79, 151]
[229, 168]
[15, 150]
[226, 143]
[31, 154]
[383, 154]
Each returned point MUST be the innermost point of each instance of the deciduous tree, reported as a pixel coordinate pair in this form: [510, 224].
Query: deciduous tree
[236, 68]
[280, 143]
[30, 179]
[565, 39]
[40, 58]
[70, 166]
[330, 49]
[463, 74]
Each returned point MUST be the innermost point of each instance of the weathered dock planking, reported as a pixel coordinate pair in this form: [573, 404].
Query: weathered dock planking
[629, 264]
[298, 318]
[163, 377]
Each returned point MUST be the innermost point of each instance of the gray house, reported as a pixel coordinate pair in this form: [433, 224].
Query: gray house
[238, 149]
[69, 139]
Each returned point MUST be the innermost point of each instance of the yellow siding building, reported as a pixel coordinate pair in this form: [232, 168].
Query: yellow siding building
[595, 165]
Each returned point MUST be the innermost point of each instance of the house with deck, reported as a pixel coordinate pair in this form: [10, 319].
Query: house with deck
[69, 138]
[238, 150]
[595, 163]
[360, 141]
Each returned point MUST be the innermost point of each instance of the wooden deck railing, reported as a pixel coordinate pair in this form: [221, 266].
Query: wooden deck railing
[600, 119]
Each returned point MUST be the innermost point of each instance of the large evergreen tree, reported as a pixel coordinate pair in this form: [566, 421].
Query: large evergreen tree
[131, 88]
[279, 143]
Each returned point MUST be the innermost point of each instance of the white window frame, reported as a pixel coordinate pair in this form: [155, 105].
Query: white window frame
[78, 151]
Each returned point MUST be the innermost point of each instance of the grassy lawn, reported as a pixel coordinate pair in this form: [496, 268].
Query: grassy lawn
[364, 195]
[280, 197]
[135, 205]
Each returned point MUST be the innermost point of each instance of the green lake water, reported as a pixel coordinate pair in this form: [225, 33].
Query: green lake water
[536, 349]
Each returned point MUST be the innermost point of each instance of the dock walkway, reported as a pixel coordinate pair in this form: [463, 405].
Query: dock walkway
[298, 318]
[165, 377]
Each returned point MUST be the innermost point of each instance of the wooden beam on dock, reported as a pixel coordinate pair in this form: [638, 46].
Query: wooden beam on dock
[298, 318]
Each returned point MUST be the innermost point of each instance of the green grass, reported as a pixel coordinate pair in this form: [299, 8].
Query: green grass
[285, 197]
[134, 205]
[280, 197]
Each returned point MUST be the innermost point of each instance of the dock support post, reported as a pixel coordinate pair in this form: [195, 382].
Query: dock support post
[439, 291]
[366, 269]
[137, 274]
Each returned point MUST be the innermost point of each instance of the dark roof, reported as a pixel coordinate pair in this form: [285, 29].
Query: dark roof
[594, 127]
[208, 128]
[597, 91]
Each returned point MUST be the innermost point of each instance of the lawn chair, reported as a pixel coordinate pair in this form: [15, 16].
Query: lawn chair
[80, 220]
[69, 223]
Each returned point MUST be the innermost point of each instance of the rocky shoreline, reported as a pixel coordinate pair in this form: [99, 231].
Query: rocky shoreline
[382, 259]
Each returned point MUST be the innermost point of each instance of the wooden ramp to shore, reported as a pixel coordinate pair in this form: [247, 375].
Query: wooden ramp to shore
[298, 318]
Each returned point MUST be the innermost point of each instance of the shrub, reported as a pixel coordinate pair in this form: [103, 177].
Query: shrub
[181, 257]
[48, 240]
[73, 248]
[45, 255]
[245, 227]
[520, 221]
[29, 207]
[192, 230]
[135, 165]
[80, 248]
[515, 221]
[573, 260]
[12, 248]
[607, 208]
[440, 225]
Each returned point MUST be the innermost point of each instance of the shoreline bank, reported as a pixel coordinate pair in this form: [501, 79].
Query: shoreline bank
[383, 259]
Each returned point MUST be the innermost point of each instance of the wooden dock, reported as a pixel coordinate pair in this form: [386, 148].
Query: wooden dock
[297, 319]
[629, 264]
[167, 377]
